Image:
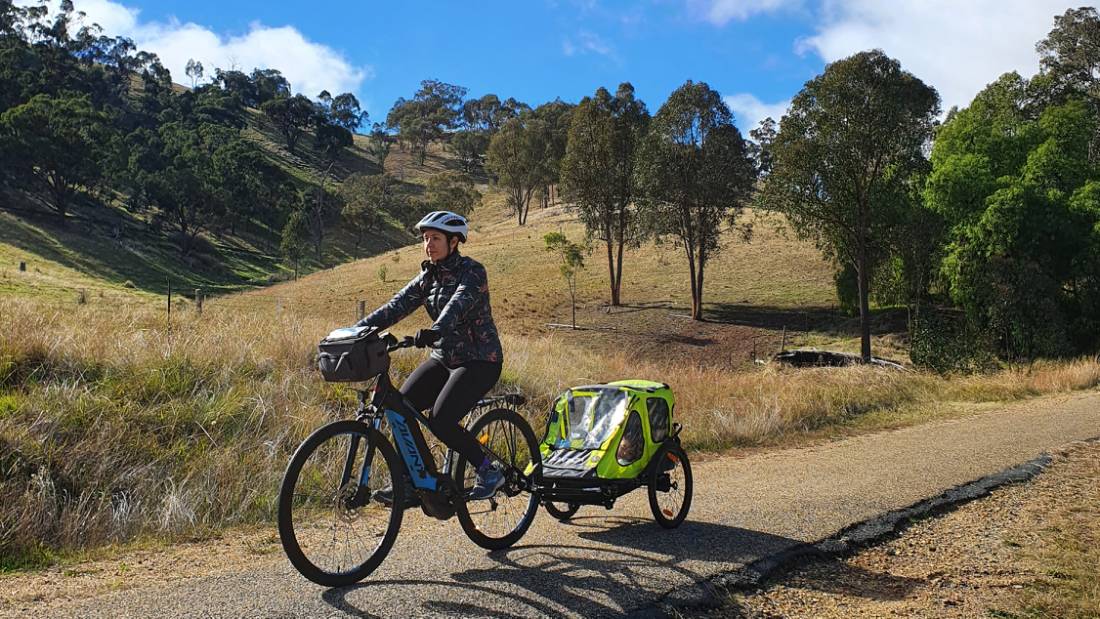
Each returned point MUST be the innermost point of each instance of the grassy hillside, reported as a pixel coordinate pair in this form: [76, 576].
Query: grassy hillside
[753, 290]
[102, 241]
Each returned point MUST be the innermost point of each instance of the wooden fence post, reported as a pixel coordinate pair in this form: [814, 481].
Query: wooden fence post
[198, 300]
[169, 321]
[362, 309]
[22, 266]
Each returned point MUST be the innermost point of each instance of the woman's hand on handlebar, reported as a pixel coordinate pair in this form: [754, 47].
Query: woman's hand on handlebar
[392, 343]
[424, 338]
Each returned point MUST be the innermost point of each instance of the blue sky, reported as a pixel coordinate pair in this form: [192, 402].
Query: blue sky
[757, 53]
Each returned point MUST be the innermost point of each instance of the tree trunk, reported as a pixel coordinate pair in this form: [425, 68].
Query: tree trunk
[525, 206]
[617, 286]
[571, 282]
[618, 290]
[59, 190]
[864, 307]
[697, 303]
[611, 271]
[573, 301]
[696, 311]
[422, 152]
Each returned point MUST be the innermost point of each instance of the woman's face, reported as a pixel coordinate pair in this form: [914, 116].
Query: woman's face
[436, 247]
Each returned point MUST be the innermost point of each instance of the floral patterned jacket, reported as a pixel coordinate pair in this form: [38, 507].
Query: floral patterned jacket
[456, 294]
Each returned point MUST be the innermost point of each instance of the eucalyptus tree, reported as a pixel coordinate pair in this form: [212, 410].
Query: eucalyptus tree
[556, 115]
[367, 200]
[346, 112]
[597, 172]
[696, 175]
[1069, 59]
[292, 116]
[517, 156]
[434, 109]
[194, 71]
[451, 191]
[572, 261]
[844, 160]
[53, 144]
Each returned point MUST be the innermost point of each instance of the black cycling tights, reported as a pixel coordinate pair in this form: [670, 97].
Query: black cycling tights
[451, 393]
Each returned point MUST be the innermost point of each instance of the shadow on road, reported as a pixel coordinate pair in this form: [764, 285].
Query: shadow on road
[630, 564]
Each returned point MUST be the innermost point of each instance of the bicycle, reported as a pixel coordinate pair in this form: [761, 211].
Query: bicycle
[334, 525]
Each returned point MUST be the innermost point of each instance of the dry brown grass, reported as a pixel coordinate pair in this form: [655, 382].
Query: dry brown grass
[112, 427]
[1065, 548]
[772, 271]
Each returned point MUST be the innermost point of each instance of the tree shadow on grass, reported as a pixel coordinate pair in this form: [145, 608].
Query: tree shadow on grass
[818, 319]
[631, 565]
[810, 319]
[77, 246]
[774, 318]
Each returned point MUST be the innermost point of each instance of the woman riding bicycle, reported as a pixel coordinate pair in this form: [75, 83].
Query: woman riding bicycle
[467, 357]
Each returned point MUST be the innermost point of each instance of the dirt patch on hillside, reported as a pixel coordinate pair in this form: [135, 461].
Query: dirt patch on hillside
[995, 557]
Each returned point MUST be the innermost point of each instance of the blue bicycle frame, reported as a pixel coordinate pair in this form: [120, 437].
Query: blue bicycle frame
[404, 420]
[405, 428]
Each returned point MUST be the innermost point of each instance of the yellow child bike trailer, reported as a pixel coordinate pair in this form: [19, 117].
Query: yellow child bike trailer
[603, 441]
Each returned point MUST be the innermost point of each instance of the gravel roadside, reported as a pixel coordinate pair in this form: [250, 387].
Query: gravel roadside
[993, 557]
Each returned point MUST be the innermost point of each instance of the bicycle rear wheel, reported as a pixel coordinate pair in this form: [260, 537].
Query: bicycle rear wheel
[332, 531]
[500, 521]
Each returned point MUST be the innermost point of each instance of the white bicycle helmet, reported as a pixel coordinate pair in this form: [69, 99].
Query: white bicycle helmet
[444, 221]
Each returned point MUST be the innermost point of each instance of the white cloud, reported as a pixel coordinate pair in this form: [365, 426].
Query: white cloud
[309, 66]
[957, 47]
[721, 12]
[587, 43]
[748, 111]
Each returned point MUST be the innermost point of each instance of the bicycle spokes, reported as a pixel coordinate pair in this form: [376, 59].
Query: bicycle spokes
[336, 523]
[500, 514]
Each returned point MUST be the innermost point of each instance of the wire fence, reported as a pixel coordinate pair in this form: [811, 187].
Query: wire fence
[178, 301]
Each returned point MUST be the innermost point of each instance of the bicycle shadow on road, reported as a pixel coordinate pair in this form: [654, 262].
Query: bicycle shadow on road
[631, 564]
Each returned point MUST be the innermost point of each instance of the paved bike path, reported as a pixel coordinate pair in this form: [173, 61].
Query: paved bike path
[607, 563]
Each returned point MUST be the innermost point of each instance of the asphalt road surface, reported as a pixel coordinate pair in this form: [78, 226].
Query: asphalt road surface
[611, 563]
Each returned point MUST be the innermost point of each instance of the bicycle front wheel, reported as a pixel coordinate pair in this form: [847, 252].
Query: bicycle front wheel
[499, 522]
[333, 531]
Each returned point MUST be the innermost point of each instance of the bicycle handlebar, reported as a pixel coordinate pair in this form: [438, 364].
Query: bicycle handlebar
[393, 343]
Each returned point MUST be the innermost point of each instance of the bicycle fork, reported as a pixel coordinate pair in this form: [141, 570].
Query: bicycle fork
[362, 490]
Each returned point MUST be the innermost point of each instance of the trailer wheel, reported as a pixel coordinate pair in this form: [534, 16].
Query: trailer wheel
[561, 511]
[670, 486]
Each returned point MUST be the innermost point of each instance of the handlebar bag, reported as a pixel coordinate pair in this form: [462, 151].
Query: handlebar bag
[352, 354]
